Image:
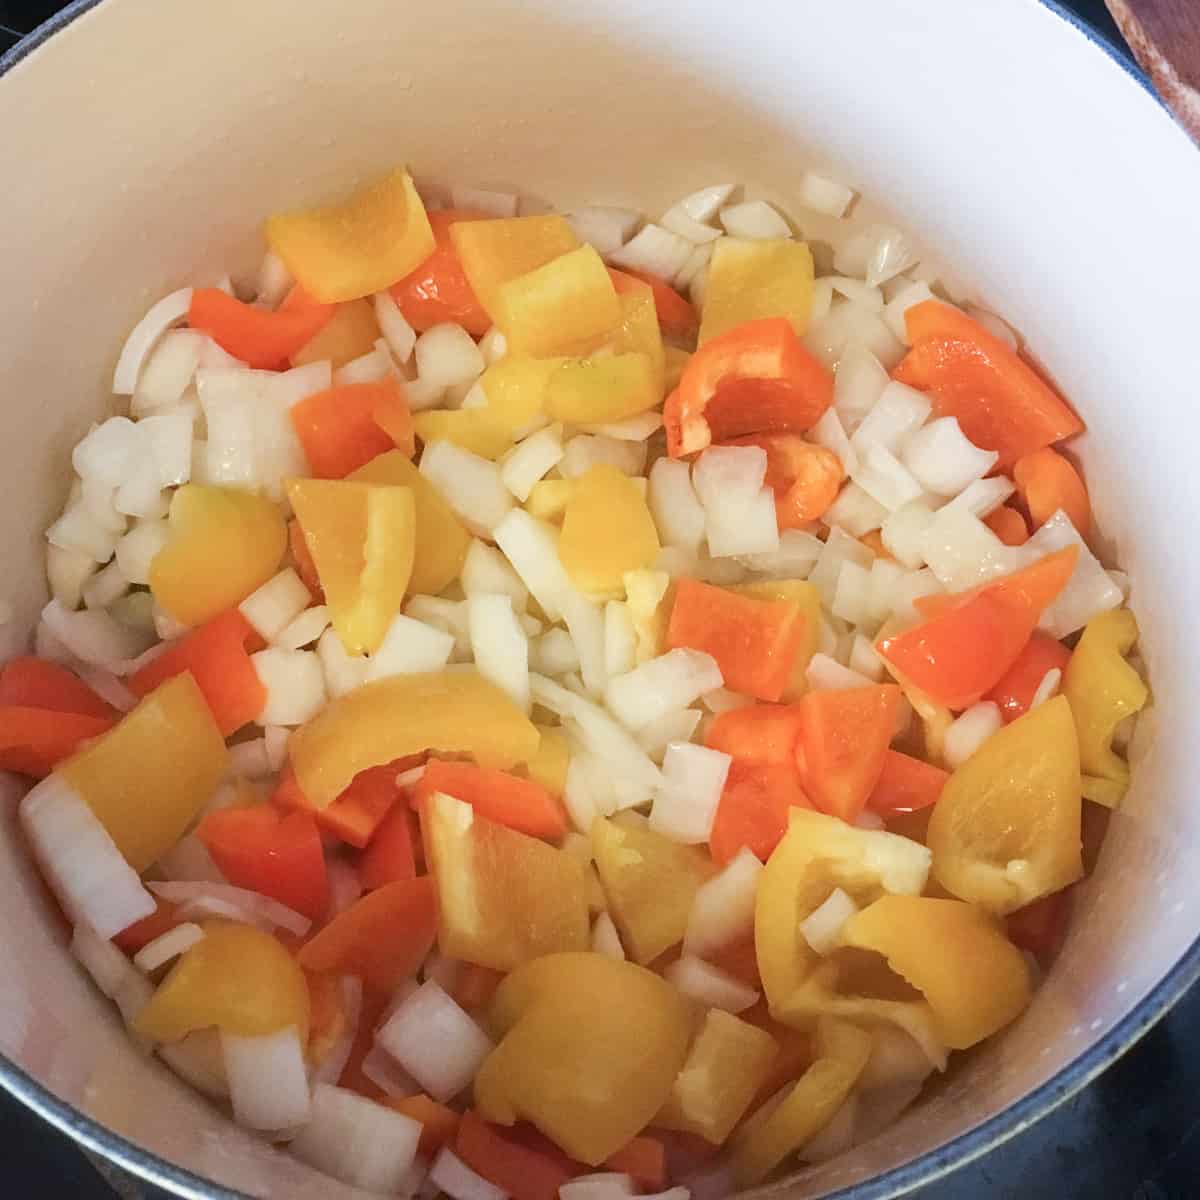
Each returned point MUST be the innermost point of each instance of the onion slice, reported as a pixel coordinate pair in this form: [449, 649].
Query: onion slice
[254, 908]
[170, 310]
[268, 1084]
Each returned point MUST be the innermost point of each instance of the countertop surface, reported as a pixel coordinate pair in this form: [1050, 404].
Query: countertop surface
[1134, 1134]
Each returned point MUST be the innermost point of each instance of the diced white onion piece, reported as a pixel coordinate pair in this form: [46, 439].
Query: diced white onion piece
[830, 433]
[189, 861]
[825, 674]
[896, 1058]
[969, 732]
[342, 672]
[677, 221]
[852, 599]
[864, 660]
[435, 1041]
[451, 1176]
[914, 585]
[886, 577]
[698, 285]
[249, 760]
[837, 547]
[1090, 590]
[387, 1074]
[620, 639]
[753, 530]
[274, 281]
[330, 1068]
[486, 570]
[167, 437]
[685, 806]
[170, 310]
[141, 494]
[855, 511]
[704, 204]
[553, 653]
[294, 682]
[82, 531]
[661, 685]
[104, 455]
[822, 928]
[212, 355]
[696, 264]
[357, 1141]
[866, 297]
[963, 552]
[446, 356]
[585, 623]
[586, 451]
[710, 986]
[891, 254]
[168, 371]
[822, 302]
[254, 908]
[493, 346]
[409, 647]
[605, 939]
[499, 645]
[448, 615]
[795, 557]
[910, 294]
[470, 485]
[633, 429]
[721, 700]
[109, 688]
[836, 1136]
[95, 638]
[531, 547]
[484, 200]
[68, 572]
[80, 861]
[678, 514]
[655, 250]
[371, 367]
[276, 604]
[578, 797]
[729, 477]
[994, 325]
[107, 966]
[678, 726]
[529, 461]
[903, 533]
[105, 587]
[823, 195]
[898, 411]
[755, 220]
[943, 460]
[984, 495]
[304, 629]
[723, 910]
[400, 336]
[167, 946]
[1048, 688]
[602, 1185]
[229, 398]
[885, 479]
[607, 229]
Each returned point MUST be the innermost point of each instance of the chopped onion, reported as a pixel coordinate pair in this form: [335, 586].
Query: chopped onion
[914, 585]
[94, 637]
[357, 1141]
[674, 505]
[837, 548]
[371, 367]
[107, 966]
[168, 372]
[607, 229]
[586, 451]
[529, 461]
[885, 479]
[903, 533]
[723, 910]
[984, 495]
[855, 511]
[387, 1074]
[864, 660]
[274, 605]
[108, 585]
[698, 233]
[170, 310]
[68, 572]
[531, 546]
[484, 200]
[661, 685]
[229, 398]
[81, 531]
[249, 759]
[295, 685]
[579, 799]
[633, 429]
[274, 281]
[602, 1185]
[852, 598]
[470, 485]
[830, 433]
[493, 346]
[678, 726]
[836, 1136]
[189, 861]
[942, 459]
[969, 732]
[433, 1039]
[450, 615]
[330, 1068]
[585, 623]
[499, 645]
[704, 204]
[554, 653]
[729, 478]
[453, 1177]
[685, 806]
[80, 861]
[696, 264]
[167, 946]
[655, 250]
[823, 195]
[304, 629]
[605, 939]
[963, 552]
[421, 394]
[822, 302]
[753, 530]
[1048, 688]
[105, 453]
[141, 494]
[755, 220]
[797, 554]
[620, 639]
[447, 355]
[866, 297]
[254, 908]
[710, 986]
[108, 687]
[826, 674]
[994, 325]
[167, 437]
[910, 294]
[898, 411]
[886, 577]
[409, 647]
[399, 335]
[721, 700]
[342, 672]
[891, 254]
[822, 928]
[1090, 590]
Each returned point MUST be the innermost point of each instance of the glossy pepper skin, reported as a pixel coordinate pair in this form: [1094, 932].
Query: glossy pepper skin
[589, 1049]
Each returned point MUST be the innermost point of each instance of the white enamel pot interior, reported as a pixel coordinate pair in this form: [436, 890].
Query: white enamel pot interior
[144, 141]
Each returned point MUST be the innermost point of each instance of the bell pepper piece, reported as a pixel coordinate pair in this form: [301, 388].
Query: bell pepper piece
[649, 595]
[548, 766]
[805, 478]
[362, 537]
[382, 937]
[237, 978]
[1047, 482]
[475, 986]
[350, 333]
[1000, 401]
[969, 640]
[389, 854]
[141, 933]
[503, 897]
[148, 777]
[1102, 690]
[215, 656]
[1006, 830]
[754, 809]
[753, 280]
[650, 882]
[359, 246]
[758, 734]
[755, 642]
[589, 1051]
[438, 291]
[328, 1019]
[356, 814]
[345, 427]
[976, 983]
[906, 785]
[519, 804]
[805, 598]
[303, 562]
[754, 378]
[515, 388]
[522, 1173]
[30, 682]
[473, 429]
[639, 331]
[1041, 927]
[1015, 691]
[451, 712]
[1008, 525]
[222, 545]
[725, 1068]
[607, 531]
[264, 850]
[258, 337]
[439, 1124]
[644, 1160]
[593, 391]
[843, 744]
[33, 741]
[676, 316]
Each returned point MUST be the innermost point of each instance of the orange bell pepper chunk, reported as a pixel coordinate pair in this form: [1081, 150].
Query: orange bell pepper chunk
[645, 1160]
[357, 812]
[216, 656]
[754, 378]
[753, 811]
[374, 1005]
[676, 316]
[33, 741]
[844, 737]
[968, 640]
[141, 933]
[754, 642]
[389, 854]
[805, 477]
[439, 1124]
[270, 852]
[30, 682]
[759, 734]
[305, 567]
[521, 804]
[1015, 690]
[475, 986]
[1007, 524]
[906, 785]
[344, 427]
[438, 290]
[518, 1170]
[262, 339]
[1000, 401]
[1046, 482]
[383, 937]
[1040, 927]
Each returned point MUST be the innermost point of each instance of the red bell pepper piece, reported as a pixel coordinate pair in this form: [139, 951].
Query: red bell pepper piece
[521, 804]
[438, 290]
[518, 1170]
[1008, 525]
[262, 339]
[475, 985]
[1015, 691]
[1000, 401]
[374, 1004]
[645, 1159]
[33, 741]
[277, 854]
[215, 654]
[906, 785]
[805, 477]
[755, 642]
[389, 854]
[844, 738]
[761, 734]
[30, 682]
[754, 378]
[358, 812]
[344, 427]
[439, 1124]
[676, 316]
[753, 811]
[1046, 482]
[141, 933]
[1040, 927]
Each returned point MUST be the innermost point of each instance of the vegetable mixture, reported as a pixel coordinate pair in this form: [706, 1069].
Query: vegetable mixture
[507, 728]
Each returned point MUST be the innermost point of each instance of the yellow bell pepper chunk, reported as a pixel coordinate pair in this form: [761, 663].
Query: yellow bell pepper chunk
[473, 429]
[817, 854]
[237, 978]
[548, 499]
[562, 307]
[749, 280]
[607, 531]
[515, 388]
[351, 332]
[675, 360]
[148, 777]
[781, 1128]
[639, 331]
[493, 252]
[807, 600]
[359, 246]
[548, 766]
[648, 594]
[727, 1065]
[362, 538]
[442, 540]
[1102, 690]
[222, 544]
[1006, 830]
[503, 897]
[449, 712]
[595, 391]
[590, 1050]
[650, 882]
[954, 954]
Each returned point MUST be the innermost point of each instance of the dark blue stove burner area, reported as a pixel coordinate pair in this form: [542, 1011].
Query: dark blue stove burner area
[1134, 1134]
